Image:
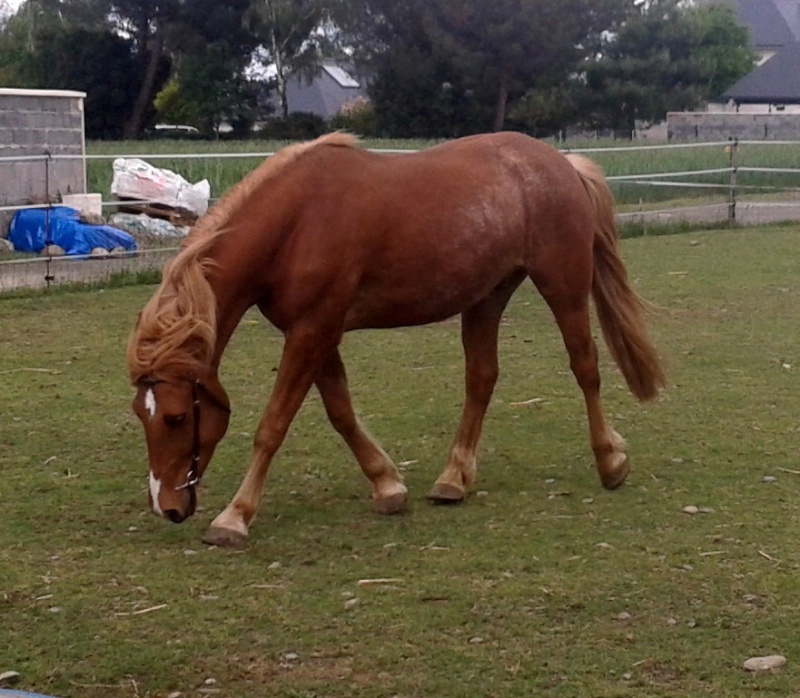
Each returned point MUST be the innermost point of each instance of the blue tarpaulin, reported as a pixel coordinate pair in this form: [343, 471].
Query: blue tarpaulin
[29, 232]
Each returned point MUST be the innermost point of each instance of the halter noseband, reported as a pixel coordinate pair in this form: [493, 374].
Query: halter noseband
[192, 477]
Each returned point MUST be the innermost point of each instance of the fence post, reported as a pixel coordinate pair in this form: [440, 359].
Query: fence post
[732, 195]
[48, 240]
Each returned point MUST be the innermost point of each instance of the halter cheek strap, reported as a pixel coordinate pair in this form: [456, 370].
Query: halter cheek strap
[193, 476]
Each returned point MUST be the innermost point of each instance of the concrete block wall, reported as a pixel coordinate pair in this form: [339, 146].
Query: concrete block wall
[34, 123]
[708, 126]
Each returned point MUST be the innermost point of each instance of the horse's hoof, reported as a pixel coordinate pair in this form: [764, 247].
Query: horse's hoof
[612, 479]
[443, 493]
[224, 538]
[393, 504]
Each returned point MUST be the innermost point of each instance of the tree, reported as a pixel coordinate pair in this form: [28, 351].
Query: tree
[109, 93]
[38, 21]
[209, 60]
[42, 47]
[211, 88]
[669, 57]
[290, 37]
[509, 46]
[545, 111]
[416, 90]
[150, 23]
[493, 52]
[723, 54]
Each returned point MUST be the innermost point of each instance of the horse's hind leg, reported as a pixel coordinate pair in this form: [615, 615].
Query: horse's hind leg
[479, 331]
[388, 491]
[572, 316]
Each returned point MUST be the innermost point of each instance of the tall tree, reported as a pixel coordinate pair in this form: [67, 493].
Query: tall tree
[151, 24]
[291, 39]
[416, 89]
[509, 46]
[670, 56]
[109, 93]
[209, 63]
[494, 52]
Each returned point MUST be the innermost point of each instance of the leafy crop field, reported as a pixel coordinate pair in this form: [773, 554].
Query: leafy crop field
[541, 584]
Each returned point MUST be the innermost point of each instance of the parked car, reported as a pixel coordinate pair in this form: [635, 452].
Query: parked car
[174, 131]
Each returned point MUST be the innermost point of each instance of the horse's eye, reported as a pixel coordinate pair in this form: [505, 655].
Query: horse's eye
[174, 420]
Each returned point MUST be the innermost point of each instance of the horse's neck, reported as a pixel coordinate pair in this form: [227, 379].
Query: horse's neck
[230, 310]
[233, 288]
[235, 255]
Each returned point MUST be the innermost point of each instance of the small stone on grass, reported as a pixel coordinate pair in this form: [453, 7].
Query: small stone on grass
[768, 663]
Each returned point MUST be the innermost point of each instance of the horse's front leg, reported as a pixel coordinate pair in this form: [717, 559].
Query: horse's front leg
[389, 494]
[304, 352]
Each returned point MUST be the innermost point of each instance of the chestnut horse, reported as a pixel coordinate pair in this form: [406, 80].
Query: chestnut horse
[326, 237]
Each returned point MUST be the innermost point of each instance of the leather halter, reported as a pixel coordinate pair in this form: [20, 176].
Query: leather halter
[193, 477]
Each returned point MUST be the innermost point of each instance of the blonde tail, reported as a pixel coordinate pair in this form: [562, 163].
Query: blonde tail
[619, 307]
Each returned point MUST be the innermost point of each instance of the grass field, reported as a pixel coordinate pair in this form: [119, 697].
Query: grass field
[223, 173]
[542, 584]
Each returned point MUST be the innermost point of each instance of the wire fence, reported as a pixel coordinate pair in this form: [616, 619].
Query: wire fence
[730, 196]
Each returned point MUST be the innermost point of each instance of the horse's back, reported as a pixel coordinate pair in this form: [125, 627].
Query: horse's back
[413, 238]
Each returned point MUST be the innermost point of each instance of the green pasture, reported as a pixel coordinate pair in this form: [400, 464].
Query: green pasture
[623, 160]
[541, 584]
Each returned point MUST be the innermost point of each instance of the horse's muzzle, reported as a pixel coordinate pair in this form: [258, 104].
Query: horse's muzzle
[183, 505]
[176, 516]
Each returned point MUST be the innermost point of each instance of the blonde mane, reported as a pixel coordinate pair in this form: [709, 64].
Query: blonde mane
[178, 326]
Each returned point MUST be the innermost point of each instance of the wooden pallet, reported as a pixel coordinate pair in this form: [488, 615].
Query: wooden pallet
[176, 216]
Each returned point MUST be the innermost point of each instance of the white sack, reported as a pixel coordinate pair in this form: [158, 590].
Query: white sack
[137, 179]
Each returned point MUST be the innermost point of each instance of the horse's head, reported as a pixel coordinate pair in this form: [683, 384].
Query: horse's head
[184, 419]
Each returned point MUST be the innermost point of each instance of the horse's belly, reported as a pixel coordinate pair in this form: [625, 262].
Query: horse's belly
[422, 299]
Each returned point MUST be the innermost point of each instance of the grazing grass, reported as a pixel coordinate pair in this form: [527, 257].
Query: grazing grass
[540, 585]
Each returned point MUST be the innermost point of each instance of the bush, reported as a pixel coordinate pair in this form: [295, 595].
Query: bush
[357, 116]
[300, 126]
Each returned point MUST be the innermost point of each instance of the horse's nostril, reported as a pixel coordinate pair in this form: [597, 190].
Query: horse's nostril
[174, 515]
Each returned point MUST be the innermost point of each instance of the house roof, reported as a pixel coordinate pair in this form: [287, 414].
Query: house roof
[772, 23]
[777, 81]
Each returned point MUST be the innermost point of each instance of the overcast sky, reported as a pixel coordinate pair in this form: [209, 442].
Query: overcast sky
[11, 5]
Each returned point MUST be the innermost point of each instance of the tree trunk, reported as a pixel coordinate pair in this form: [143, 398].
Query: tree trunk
[133, 126]
[280, 69]
[502, 102]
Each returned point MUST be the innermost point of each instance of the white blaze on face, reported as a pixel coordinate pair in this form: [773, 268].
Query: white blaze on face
[155, 490]
[150, 402]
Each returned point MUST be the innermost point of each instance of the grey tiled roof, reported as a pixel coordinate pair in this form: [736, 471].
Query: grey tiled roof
[774, 27]
[772, 23]
[775, 82]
